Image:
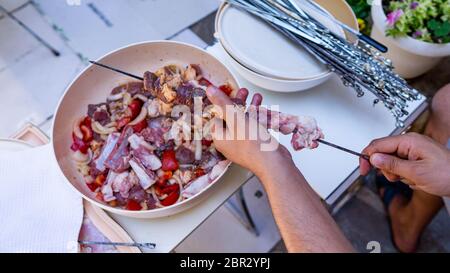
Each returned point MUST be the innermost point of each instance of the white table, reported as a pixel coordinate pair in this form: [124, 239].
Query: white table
[345, 119]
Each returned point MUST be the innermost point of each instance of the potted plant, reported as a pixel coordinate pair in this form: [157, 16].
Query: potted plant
[417, 33]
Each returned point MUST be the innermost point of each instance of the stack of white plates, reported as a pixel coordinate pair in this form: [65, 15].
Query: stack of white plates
[268, 59]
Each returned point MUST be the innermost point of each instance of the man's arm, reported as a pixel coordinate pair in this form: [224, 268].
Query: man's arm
[304, 222]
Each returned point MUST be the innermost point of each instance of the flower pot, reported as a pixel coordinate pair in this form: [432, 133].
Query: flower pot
[411, 57]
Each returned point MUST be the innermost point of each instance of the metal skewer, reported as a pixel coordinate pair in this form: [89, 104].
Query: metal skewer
[360, 66]
[361, 36]
[343, 149]
[143, 245]
[117, 70]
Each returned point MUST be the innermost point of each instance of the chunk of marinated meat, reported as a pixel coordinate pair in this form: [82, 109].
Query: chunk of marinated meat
[146, 177]
[93, 171]
[196, 186]
[151, 83]
[124, 182]
[143, 152]
[92, 108]
[174, 81]
[119, 157]
[134, 88]
[107, 191]
[184, 155]
[167, 94]
[185, 92]
[156, 129]
[140, 195]
[101, 116]
[107, 149]
[154, 108]
[208, 161]
[304, 129]
[190, 73]
[119, 180]
[306, 134]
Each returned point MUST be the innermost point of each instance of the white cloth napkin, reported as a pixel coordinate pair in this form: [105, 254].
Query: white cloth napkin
[38, 211]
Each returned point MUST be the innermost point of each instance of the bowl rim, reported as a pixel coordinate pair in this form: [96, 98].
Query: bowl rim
[131, 213]
[277, 80]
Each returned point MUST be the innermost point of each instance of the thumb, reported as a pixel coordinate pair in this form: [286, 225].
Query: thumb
[391, 164]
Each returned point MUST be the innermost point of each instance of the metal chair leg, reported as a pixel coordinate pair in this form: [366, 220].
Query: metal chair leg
[241, 211]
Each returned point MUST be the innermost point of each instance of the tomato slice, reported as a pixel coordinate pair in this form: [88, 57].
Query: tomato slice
[226, 89]
[93, 186]
[169, 189]
[171, 199]
[206, 143]
[199, 172]
[133, 205]
[79, 145]
[100, 179]
[123, 122]
[88, 134]
[140, 126]
[99, 196]
[169, 161]
[135, 108]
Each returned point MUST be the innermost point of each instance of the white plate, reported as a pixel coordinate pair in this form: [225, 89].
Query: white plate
[259, 47]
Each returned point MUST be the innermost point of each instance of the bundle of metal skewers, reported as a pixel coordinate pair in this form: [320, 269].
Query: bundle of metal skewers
[360, 66]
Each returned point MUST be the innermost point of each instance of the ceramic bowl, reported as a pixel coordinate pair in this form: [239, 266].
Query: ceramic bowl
[94, 84]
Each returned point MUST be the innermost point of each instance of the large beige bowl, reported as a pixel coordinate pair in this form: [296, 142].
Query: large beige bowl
[95, 83]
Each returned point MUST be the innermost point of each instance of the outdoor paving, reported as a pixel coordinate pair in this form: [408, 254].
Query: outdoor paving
[33, 80]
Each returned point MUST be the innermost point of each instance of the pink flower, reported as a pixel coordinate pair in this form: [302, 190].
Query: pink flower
[413, 5]
[394, 16]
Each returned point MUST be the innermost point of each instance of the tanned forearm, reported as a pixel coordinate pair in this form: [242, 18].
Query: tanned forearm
[304, 222]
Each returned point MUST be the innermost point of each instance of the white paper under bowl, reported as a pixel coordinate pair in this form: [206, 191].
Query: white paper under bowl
[93, 86]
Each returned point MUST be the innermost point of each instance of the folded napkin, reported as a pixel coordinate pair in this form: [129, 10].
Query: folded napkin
[38, 210]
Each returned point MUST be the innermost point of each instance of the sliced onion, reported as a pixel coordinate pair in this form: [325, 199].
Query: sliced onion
[155, 197]
[111, 124]
[187, 166]
[127, 98]
[116, 96]
[76, 128]
[141, 97]
[198, 149]
[142, 115]
[99, 129]
[82, 158]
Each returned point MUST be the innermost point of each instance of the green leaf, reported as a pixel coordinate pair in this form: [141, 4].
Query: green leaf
[433, 24]
[443, 30]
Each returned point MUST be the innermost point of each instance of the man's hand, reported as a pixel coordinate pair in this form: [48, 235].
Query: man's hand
[234, 140]
[414, 159]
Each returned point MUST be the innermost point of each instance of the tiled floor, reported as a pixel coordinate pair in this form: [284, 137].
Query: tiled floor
[32, 79]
